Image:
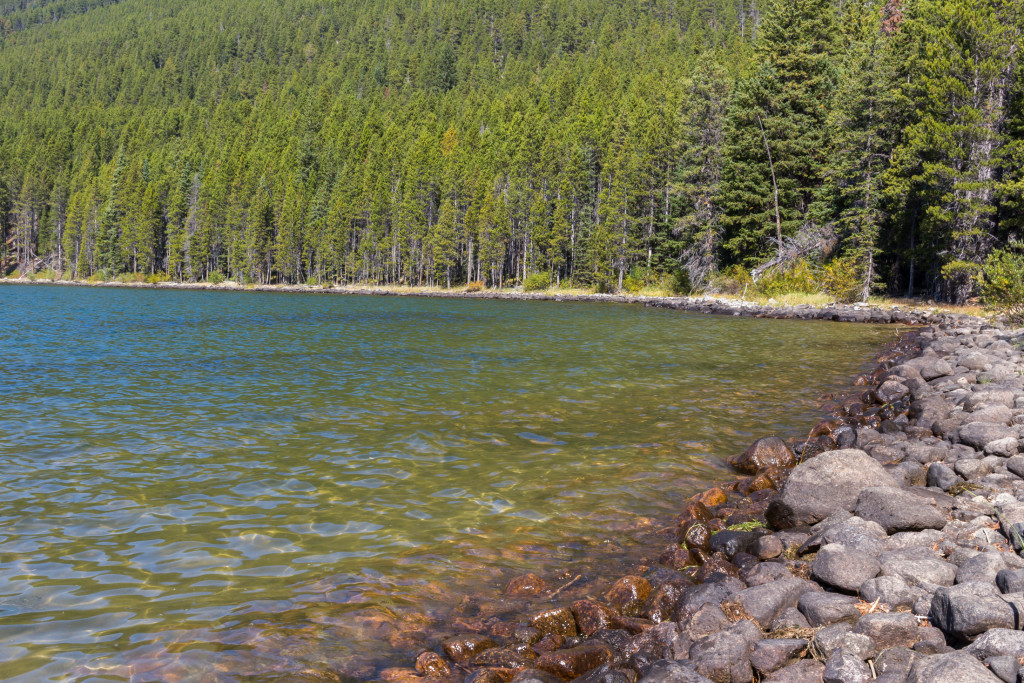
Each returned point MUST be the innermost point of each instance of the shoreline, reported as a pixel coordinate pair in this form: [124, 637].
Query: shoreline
[836, 312]
[884, 545]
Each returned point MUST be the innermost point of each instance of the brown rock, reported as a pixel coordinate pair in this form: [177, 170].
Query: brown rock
[549, 643]
[527, 584]
[576, 661]
[716, 563]
[399, 674]
[695, 535]
[555, 620]
[678, 558]
[432, 664]
[490, 676]
[464, 647]
[771, 451]
[628, 594]
[711, 497]
[504, 658]
[591, 616]
[663, 600]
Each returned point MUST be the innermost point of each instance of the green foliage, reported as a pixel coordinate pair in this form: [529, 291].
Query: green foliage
[157, 278]
[798, 278]
[1002, 282]
[841, 279]
[536, 282]
[475, 286]
[638, 278]
[216, 278]
[734, 280]
[679, 282]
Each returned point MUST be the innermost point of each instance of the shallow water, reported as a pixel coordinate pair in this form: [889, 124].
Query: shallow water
[236, 485]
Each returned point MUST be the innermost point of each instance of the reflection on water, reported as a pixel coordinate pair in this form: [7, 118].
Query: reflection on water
[243, 484]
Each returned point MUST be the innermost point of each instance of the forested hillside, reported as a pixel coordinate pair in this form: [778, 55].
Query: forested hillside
[878, 144]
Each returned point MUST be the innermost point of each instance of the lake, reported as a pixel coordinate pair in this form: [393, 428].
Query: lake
[249, 486]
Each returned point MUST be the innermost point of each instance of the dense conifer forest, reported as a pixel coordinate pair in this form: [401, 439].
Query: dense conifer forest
[874, 146]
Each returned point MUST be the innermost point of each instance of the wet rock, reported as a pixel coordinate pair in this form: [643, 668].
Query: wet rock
[712, 497]
[898, 629]
[488, 676]
[591, 616]
[396, 674]
[941, 476]
[668, 671]
[696, 535]
[716, 564]
[432, 664]
[770, 451]
[954, 667]
[824, 484]
[662, 601]
[895, 661]
[806, 671]
[765, 602]
[840, 568]
[464, 647]
[603, 674]
[967, 610]
[772, 654]
[980, 434]
[997, 642]
[526, 585]
[1010, 580]
[526, 634]
[504, 657]
[549, 643]
[982, 567]
[729, 543]
[557, 620]
[898, 510]
[890, 591]
[628, 594]
[891, 390]
[844, 666]
[535, 676]
[725, 656]
[575, 661]
[822, 609]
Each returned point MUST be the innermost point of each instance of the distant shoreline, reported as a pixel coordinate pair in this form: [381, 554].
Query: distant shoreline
[865, 313]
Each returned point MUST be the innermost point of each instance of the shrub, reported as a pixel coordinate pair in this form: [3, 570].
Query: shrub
[604, 284]
[476, 286]
[638, 278]
[47, 274]
[98, 276]
[14, 274]
[157, 278]
[131, 277]
[216, 277]
[841, 279]
[679, 282]
[1002, 283]
[733, 280]
[798, 278]
[536, 282]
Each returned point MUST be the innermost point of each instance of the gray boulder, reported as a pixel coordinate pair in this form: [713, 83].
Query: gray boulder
[997, 642]
[941, 476]
[982, 567]
[989, 397]
[767, 601]
[844, 666]
[918, 566]
[822, 609]
[772, 654]
[895, 661]
[670, 671]
[980, 434]
[896, 629]
[954, 667]
[725, 656]
[890, 591]
[898, 510]
[806, 671]
[838, 567]
[824, 484]
[1010, 580]
[967, 610]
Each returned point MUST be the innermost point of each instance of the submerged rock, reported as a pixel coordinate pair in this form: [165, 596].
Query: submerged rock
[770, 451]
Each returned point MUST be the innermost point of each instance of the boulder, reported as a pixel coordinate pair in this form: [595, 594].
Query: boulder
[997, 642]
[941, 476]
[628, 594]
[896, 629]
[844, 666]
[575, 661]
[918, 566]
[806, 671]
[983, 567]
[890, 591]
[898, 510]
[822, 609]
[989, 397]
[557, 620]
[824, 484]
[840, 568]
[895, 661]
[770, 451]
[1010, 580]
[462, 648]
[953, 667]
[980, 434]
[725, 656]
[772, 654]
[669, 671]
[967, 610]
[765, 602]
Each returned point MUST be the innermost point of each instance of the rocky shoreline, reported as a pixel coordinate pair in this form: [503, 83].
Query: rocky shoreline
[882, 547]
[862, 313]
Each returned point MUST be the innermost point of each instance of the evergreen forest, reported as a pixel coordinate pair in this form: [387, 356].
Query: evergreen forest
[876, 144]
